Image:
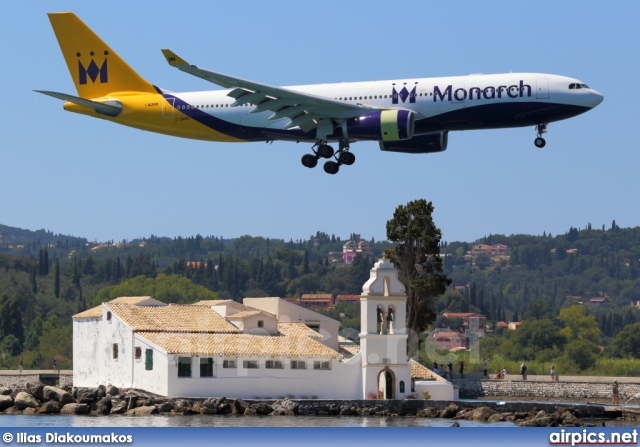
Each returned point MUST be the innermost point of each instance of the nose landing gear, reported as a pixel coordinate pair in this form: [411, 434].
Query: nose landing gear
[539, 141]
[322, 150]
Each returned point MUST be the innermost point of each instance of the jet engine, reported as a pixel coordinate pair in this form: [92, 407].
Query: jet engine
[385, 125]
[421, 144]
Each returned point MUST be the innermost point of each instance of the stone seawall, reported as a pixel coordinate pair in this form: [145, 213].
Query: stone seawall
[19, 380]
[471, 389]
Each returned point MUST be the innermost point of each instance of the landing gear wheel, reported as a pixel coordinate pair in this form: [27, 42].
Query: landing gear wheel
[309, 160]
[346, 158]
[539, 142]
[331, 167]
[325, 151]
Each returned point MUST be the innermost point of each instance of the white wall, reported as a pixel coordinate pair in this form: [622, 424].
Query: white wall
[154, 380]
[437, 389]
[86, 342]
[342, 381]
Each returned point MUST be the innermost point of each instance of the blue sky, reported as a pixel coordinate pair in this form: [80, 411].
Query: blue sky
[75, 175]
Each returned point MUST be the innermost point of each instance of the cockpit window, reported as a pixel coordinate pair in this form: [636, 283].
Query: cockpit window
[577, 86]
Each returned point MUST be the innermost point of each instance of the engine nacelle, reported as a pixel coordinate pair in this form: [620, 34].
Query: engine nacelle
[384, 125]
[421, 144]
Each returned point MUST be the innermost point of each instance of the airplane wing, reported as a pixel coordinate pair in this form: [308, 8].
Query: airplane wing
[305, 111]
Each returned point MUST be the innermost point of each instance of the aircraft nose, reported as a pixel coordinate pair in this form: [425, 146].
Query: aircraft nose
[595, 98]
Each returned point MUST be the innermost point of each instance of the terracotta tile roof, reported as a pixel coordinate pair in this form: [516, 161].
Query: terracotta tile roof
[349, 350]
[94, 312]
[239, 344]
[245, 314]
[130, 299]
[173, 318]
[209, 302]
[316, 296]
[419, 371]
[295, 329]
[348, 298]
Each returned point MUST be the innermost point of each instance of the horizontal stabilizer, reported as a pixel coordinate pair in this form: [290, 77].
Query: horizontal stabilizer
[114, 108]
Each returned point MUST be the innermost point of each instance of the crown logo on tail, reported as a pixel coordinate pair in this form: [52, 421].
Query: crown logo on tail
[92, 71]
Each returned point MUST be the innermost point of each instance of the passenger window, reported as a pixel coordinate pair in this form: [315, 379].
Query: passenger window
[572, 86]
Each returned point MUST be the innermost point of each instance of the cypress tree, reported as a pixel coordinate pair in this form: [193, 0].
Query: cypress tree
[56, 283]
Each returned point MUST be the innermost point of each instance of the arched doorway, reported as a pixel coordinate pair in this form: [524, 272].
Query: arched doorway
[387, 383]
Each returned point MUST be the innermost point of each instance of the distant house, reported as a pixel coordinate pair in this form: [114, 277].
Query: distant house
[499, 249]
[514, 325]
[351, 299]
[316, 300]
[447, 339]
[598, 302]
[349, 252]
[502, 324]
[496, 249]
[466, 316]
[460, 289]
[481, 248]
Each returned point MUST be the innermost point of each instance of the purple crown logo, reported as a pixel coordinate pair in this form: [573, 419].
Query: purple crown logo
[92, 71]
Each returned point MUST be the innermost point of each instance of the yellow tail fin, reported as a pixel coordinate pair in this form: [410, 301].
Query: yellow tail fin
[95, 68]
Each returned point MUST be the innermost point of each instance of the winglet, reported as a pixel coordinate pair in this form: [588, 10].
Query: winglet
[173, 59]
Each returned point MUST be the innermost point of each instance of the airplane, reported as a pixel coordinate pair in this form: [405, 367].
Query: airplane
[407, 115]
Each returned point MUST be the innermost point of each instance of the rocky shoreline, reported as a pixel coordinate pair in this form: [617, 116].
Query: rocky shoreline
[37, 398]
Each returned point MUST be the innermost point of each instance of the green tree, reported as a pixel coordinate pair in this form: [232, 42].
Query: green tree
[56, 284]
[417, 258]
[578, 324]
[11, 319]
[626, 344]
[168, 289]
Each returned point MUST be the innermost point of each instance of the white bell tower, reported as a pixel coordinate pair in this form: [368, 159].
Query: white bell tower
[383, 337]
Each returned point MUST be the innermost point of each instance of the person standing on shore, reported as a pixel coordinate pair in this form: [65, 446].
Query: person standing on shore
[553, 373]
[615, 393]
[20, 366]
[523, 371]
[484, 368]
[450, 367]
[461, 369]
[55, 365]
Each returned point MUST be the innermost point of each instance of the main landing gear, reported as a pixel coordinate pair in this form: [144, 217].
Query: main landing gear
[539, 141]
[322, 150]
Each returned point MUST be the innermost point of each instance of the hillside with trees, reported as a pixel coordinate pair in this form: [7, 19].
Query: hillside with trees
[47, 278]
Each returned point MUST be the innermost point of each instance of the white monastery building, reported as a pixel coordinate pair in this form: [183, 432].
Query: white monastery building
[263, 348]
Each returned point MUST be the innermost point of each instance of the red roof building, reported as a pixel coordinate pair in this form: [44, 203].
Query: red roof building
[351, 299]
[316, 300]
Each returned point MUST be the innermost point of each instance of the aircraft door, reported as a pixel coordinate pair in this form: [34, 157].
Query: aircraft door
[542, 88]
[167, 107]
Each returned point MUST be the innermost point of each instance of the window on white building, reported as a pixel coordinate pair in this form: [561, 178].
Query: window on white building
[148, 359]
[228, 363]
[321, 365]
[274, 364]
[184, 366]
[115, 351]
[260, 323]
[108, 316]
[250, 364]
[138, 352]
[206, 367]
[298, 364]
